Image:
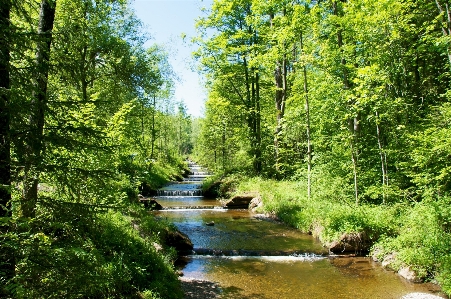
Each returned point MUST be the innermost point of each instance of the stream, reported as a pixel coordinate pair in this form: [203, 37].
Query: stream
[248, 256]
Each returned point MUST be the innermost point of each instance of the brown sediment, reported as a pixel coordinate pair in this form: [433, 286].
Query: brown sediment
[199, 289]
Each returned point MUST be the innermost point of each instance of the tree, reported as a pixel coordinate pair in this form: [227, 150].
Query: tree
[229, 57]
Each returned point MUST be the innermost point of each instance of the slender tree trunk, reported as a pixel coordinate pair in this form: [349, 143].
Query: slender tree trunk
[353, 123]
[7, 260]
[251, 119]
[307, 113]
[258, 125]
[153, 128]
[34, 142]
[446, 30]
[383, 157]
[223, 140]
[280, 81]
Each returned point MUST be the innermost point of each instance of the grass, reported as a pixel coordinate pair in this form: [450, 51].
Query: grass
[419, 233]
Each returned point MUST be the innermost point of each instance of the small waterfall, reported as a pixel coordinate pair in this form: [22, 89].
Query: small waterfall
[195, 192]
[254, 253]
[193, 208]
[196, 178]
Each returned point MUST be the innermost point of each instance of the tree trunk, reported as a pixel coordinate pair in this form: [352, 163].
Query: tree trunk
[5, 148]
[34, 143]
[258, 136]
[383, 157]
[153, 128]
[353, 122]
[446, 30]
[307, 114]
[280, 81]
[7, 260]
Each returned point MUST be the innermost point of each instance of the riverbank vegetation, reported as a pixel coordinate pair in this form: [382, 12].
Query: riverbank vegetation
[87, 121]
[342, 109]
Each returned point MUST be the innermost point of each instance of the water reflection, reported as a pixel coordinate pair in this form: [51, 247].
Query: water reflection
[297, 278]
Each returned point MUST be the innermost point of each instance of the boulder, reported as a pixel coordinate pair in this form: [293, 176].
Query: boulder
[350, 242]
[255, 203]
[151, 204]
[388, 260]
[408, 274]
[212, 191]
[179, 241]
[241, 201]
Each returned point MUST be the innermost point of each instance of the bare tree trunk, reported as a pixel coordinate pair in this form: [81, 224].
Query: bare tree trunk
[307, 114]
[34, 143]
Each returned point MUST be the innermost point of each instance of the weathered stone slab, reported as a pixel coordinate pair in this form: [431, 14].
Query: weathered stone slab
[351, 242]
[241, 201]
[408, 274]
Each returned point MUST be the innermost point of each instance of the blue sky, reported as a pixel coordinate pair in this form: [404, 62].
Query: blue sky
[166, 21]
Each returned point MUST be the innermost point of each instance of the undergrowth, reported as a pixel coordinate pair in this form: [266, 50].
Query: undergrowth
[69, 251]
[419, 233]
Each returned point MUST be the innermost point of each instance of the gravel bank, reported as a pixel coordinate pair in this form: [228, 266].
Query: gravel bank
[199, 289]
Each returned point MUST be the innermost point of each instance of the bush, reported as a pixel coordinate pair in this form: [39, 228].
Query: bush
[70, 251]
[424, 241]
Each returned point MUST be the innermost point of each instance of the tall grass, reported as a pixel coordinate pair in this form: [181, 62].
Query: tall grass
[419, 233]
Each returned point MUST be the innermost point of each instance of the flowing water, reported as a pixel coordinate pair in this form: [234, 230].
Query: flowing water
[251, 257]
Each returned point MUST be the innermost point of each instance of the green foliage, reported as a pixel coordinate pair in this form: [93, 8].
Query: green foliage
[326, 218]
[79, 253]
[423, 241]
[220, 185]
[104, 126]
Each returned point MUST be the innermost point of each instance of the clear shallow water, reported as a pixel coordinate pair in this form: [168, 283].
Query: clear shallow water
[344, 278]
[253, 258]
[186, 201]
[238, 230]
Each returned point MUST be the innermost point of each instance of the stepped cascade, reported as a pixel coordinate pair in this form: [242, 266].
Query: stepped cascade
[249, 256]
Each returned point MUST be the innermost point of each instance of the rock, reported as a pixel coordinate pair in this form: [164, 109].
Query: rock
[179, 241]
[408, 274]
[179, 273]
[241, 201]
[375, 253]
[389, 260]
[212, 191]
[211, 223]
[152, 204]
[147, 190]
[157, 246]
[351, 242]
[420, 296]
[255, 203]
